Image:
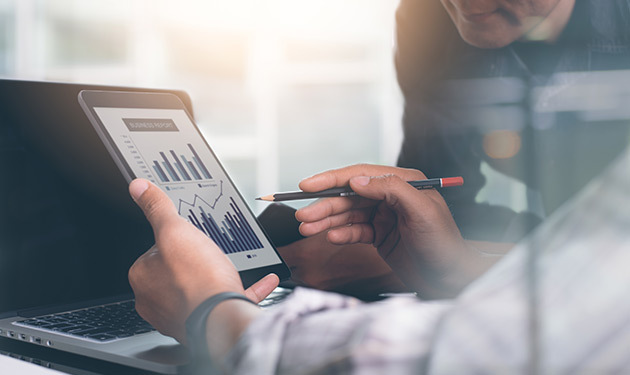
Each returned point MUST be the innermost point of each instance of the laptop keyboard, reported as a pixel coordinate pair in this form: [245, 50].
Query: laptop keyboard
[101, 323]
[277, 296]
[112, 321]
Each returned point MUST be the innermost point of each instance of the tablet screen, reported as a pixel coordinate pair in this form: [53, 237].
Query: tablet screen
[164, 147]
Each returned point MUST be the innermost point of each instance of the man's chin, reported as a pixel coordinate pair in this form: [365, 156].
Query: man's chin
[483, 40]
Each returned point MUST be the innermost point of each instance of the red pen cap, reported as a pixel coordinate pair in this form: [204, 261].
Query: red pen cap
[452, 181]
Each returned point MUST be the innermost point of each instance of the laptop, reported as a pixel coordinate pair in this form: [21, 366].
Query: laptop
[69, 230]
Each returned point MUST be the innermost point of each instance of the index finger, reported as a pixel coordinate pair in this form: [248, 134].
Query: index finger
[330, 206]
[341, 177]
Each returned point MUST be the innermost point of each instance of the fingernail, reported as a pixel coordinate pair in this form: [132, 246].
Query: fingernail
[361, 180]
[137, 188]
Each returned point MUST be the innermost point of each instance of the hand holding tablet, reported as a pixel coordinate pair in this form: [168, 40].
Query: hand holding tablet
[152, 136]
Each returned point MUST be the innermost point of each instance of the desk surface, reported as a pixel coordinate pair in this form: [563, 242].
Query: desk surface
[61, 361]
[10, 365]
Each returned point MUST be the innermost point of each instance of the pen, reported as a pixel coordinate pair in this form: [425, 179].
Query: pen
[348, 192]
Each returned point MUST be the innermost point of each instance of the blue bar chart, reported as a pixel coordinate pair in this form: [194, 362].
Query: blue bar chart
[233, 234]
[164, 147]
[172, 167]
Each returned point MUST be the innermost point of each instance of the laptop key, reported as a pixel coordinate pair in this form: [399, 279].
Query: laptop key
[74, 329]
[58, 326]
[121, 334]
[56, 320]
[37, 323]
[92, 331]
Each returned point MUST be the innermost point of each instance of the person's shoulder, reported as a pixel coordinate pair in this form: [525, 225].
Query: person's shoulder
[609, 21]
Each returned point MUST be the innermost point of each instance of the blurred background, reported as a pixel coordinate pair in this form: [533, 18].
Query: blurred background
[281, 89]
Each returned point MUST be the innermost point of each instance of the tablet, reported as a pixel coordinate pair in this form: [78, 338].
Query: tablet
[152, 136]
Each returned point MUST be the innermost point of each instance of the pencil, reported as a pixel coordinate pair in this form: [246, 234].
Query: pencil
[347, 192]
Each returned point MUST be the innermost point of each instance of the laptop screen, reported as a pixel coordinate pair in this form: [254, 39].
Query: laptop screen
[68, 229]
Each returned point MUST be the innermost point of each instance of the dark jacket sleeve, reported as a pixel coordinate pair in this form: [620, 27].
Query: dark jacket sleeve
[428, 48]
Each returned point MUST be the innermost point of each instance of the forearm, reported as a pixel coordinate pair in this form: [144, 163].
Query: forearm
[355, 269]
[491, 251]
[318, 333]
[226, 324]
[479, 257]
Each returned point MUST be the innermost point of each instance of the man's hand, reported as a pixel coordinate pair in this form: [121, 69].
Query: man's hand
[354, 269]
[182, 269]
[413, 230]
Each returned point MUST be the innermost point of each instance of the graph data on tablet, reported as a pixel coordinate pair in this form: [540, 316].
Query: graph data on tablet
[163, 146]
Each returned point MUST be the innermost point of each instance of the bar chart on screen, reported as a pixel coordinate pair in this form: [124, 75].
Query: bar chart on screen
[173, 165]
[179, 167]
[164, 147]
[232, 233]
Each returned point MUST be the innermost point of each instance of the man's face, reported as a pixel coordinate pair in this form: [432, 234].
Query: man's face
[497, 23]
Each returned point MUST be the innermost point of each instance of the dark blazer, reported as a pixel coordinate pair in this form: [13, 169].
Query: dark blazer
[462, 101]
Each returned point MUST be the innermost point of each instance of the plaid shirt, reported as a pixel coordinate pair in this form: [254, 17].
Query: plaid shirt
[575, 322]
